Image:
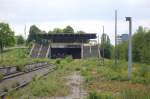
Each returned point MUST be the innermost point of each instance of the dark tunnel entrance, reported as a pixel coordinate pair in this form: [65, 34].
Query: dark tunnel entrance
[63, 52]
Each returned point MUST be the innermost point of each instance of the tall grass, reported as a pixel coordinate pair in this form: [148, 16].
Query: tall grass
[18, 57]
[112, 81]
[96, 95]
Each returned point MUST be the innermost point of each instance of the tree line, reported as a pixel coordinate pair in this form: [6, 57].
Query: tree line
[140, 47]
[8, 38]
[140, 42]
[34, 30]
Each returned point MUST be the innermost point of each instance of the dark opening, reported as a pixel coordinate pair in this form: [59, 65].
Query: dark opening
[63, 52]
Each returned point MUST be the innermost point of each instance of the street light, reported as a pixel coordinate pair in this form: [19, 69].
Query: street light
[129, 47]
[116, 55]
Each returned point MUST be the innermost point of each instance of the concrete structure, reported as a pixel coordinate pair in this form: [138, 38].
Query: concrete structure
[121, 38]
[62, 45]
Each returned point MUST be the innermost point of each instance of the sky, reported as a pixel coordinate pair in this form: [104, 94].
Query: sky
[86, 15]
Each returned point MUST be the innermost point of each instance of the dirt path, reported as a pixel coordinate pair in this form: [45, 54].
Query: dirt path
[75, 82]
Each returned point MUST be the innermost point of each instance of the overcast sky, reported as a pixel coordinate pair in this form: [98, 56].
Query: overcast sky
[86, 15]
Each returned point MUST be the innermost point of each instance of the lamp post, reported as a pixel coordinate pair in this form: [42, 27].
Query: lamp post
[103, 44]
[116, 55]
[129, 47]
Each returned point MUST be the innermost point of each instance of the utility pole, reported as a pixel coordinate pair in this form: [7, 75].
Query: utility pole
[103, 44]
[25, 31]
[130, 47]
[116, 55]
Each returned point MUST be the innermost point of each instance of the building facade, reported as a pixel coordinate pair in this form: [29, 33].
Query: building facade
[122, 37]
[62, 45]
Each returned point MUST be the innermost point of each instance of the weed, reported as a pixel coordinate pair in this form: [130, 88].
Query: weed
[95, 95]
[5, 89]
[134, 94]
[1, 77]
[15, 84]
[69, 59]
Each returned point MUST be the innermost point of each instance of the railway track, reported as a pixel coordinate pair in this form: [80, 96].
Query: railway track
[22, 79]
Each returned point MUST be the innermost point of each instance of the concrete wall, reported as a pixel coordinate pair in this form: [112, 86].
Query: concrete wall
[90, 51]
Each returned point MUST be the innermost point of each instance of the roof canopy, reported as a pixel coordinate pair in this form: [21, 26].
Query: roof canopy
[67, 37]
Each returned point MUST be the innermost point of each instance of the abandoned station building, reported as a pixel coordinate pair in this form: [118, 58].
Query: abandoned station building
[62, 45]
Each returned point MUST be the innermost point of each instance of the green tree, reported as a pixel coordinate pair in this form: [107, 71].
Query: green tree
[68, 29]
[20, 40]
[140, 46]
[122, 50]
[80, 32]
[145, 53]
[106, 45]
[138, 43]
[57, 30]
[6, 36]
[34, 30]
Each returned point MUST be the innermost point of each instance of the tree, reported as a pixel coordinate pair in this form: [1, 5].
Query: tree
[6, 36]
[145, 53]
[20, 40]
[105, 44]
[80, 32]
[34, 30]
[68, 29]
[57, 30]
[138, 43]
[122, 50]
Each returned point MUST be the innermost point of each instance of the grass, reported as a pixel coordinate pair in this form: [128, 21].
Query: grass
[95, 95]
[18, 57]
[108, 78]
[54, 84]
[1, 76]
[101, 81]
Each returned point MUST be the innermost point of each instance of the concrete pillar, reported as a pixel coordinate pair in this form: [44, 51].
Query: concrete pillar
[39, 51]
[32, 49]
[82, 51]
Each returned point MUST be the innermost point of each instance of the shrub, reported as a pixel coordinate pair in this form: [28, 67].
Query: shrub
[19, 68]
[1, 77]
[77, 69]
[15, 84]
[5, 89]
[69, 59]
[95, 95]
[135, 94]
[58, 61]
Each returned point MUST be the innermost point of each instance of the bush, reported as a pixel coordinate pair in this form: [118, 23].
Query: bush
[1, 77]
[69, 59]
[58, 61]
[135, 94]
[5, 89]
[95, 95]
[15, 84]
[19, 68]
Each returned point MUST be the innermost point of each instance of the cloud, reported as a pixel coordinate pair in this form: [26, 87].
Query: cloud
[89, 26]
[87, 15]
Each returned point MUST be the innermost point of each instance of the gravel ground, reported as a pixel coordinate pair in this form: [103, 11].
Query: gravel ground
[75, 82]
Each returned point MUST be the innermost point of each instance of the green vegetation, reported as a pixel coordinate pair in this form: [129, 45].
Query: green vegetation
[106, 46]
[101, 81]
[6, 36]
[1, 76]
[14, 57]
[141, 46]
[18, 57]
[113, 79]
[54, 84]
[95, 95]
[20, 40]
